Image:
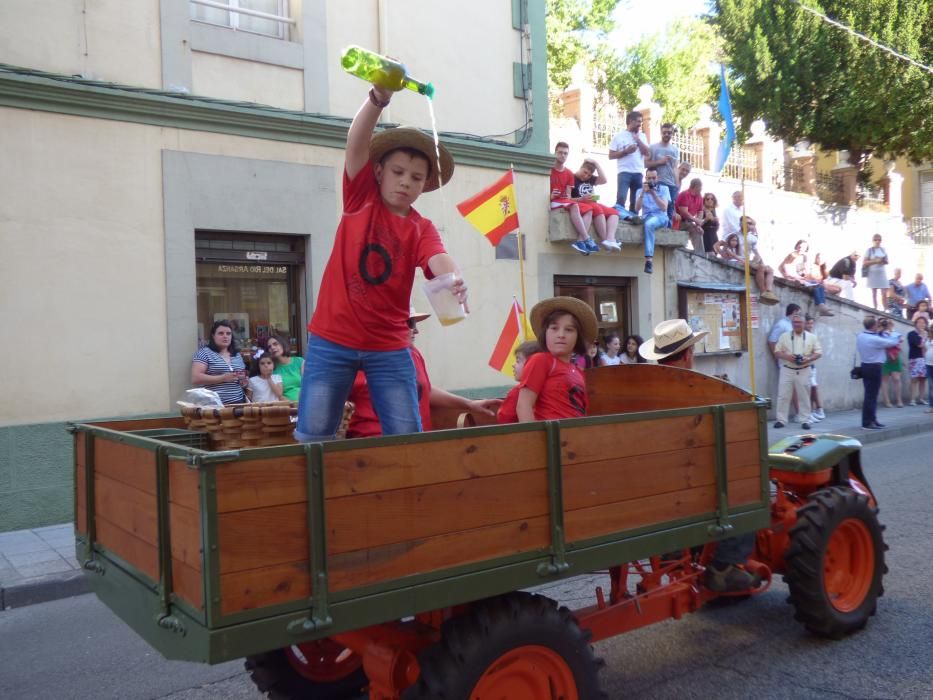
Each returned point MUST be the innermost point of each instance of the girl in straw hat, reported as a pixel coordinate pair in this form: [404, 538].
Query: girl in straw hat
[359, 320]
[552, 386]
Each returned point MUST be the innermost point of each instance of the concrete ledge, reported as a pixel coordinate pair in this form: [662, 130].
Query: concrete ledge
[560, 231]
[42, 589]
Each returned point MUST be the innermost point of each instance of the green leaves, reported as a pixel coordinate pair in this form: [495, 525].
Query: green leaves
[809, 79]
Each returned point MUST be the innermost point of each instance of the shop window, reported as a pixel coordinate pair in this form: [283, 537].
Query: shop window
[266, 17]
[254, 283]
[721, 310]
[609, 297]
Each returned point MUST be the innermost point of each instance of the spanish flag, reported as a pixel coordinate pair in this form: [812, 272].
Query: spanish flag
[493, 211]
[514, 332]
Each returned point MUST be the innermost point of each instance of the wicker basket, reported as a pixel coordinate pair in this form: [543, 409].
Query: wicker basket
[251, 424]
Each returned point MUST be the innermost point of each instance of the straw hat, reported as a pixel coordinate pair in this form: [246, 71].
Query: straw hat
[409, 137]
[670, 337]
[571, 305]
[415, 316]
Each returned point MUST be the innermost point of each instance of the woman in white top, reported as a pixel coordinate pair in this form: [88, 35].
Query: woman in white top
[876, 258]
[611, 356]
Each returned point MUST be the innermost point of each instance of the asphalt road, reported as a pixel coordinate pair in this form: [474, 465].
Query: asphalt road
[75, 648]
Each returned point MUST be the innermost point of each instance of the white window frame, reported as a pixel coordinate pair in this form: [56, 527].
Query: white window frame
[282, 21]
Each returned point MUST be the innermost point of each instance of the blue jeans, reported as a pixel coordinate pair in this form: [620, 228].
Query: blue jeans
[328, 376]
[734, 550]
[623, 212]
[673, 190]
[819, 295]
[652, 224]
[628, 184]
[871, 380]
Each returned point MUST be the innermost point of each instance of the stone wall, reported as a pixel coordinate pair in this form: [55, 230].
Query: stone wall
[836, 333]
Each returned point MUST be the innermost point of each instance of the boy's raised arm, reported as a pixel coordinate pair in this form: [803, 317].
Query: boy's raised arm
[361, 130]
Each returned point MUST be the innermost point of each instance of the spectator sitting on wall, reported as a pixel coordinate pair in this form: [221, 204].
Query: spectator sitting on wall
[605, 219]
[683, 172]
[561, 198]
[764, 274]
[817, 273]
[897, 295]
[665, 156]
[689, 206]
[842, 275]
[730, 250]
[652, 201]
[795, 267]
[923, 311]
[916, 292]
[732, 215]
[710, 223]
[629, 149]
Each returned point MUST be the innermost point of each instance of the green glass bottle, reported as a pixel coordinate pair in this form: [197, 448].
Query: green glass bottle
[381, 71]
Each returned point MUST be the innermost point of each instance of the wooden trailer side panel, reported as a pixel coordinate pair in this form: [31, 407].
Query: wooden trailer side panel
[391, 512]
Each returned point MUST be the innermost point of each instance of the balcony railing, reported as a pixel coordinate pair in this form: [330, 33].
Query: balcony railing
[921, 229]
[742, 163]
[607, 122]
[691, 148]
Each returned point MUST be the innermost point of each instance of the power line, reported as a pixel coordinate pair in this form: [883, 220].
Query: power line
[871, 41]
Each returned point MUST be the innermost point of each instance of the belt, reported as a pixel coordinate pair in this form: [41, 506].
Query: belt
[797, 369]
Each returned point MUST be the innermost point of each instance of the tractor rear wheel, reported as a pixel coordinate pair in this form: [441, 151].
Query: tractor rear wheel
[518, 646]
[835, 562]
[319, 670]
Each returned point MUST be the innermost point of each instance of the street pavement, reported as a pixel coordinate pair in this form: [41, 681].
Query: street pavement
[39, 565]
[76, 648]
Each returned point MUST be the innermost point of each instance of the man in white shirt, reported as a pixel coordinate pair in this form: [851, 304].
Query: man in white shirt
[732, 216]
[629, 148]
[796, 351]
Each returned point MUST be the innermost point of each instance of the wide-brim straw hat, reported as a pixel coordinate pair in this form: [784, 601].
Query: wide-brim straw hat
[413, 315]
[670, 337]
[409, 137]
[571, 305]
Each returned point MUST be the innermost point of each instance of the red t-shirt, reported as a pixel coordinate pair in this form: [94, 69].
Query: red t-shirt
[692, 202]
[366, 287]
[559, 385]
[560, 181]
[365, 422]
[508, 409]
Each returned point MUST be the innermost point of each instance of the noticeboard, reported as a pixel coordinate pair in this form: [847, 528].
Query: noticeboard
[723, 314]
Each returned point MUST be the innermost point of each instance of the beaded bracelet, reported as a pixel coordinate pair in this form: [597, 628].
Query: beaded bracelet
[376, 101]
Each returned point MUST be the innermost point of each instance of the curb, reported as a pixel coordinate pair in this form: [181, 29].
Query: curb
[43, 589]
[55, 587]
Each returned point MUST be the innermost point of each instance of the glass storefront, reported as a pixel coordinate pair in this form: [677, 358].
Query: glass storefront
[252, 283]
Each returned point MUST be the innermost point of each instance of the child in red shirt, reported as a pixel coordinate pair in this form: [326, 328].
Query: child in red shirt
[523, 352]
[359, 321]
[552, 386]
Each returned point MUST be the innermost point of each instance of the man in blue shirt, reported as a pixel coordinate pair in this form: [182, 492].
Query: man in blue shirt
[916, 293]
[652, 201]
[871, 346]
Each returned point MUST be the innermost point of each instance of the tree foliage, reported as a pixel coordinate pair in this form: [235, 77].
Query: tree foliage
[576, 30]
[810, 80]
[676, 63]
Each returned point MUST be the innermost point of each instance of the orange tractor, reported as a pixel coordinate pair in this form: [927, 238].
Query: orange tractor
[396, 566]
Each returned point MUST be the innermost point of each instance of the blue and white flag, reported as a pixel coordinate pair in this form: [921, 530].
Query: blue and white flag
[725, 111]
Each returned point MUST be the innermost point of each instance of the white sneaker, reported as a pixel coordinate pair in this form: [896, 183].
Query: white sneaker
[611, 245]
[819, 414]
[814, 418]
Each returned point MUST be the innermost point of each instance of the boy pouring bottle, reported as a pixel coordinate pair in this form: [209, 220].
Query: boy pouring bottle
[359, 321]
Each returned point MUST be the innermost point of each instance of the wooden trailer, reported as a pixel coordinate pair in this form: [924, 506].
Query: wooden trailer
[212, 556]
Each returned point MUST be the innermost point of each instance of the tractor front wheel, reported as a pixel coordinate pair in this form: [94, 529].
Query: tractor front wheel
[519, 646]
[835, 562]
[319, 670]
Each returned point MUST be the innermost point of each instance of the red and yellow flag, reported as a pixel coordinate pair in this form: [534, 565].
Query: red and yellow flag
[493, 211]
[514, 333]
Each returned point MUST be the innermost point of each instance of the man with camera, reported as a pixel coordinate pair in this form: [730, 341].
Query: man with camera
[871, 345]
[796, 350]
[651, 201]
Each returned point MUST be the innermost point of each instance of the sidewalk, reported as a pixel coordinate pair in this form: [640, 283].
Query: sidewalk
[39, 565]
